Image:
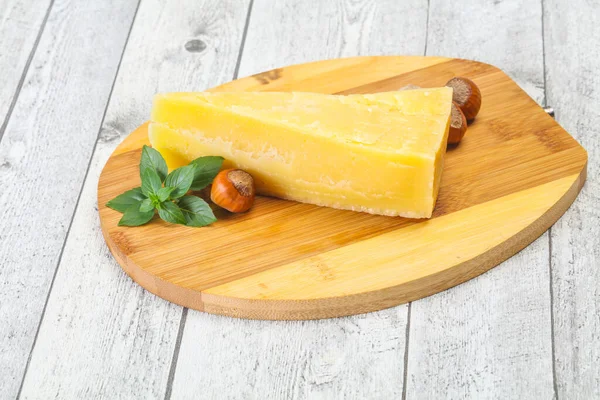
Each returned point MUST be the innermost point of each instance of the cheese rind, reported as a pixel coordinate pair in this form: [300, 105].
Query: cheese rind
[380, 153]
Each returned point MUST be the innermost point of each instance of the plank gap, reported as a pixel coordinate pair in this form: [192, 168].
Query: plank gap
[24, 73]
[173, 368]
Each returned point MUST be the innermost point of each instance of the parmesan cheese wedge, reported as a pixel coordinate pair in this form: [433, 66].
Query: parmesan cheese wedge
[377, 153]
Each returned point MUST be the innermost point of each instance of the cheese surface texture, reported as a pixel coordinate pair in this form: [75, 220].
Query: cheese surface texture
[377, 153]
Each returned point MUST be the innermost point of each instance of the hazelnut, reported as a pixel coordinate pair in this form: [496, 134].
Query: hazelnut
[233, 190]
[466, 95]
[458, 125]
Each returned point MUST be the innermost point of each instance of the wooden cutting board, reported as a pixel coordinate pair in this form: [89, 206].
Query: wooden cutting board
[514, 174]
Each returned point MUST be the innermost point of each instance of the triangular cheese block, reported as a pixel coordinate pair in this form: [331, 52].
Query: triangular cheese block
[378, 153]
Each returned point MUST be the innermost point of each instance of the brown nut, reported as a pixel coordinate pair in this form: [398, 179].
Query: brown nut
[458, 125]
[467, 96]
[233, 189]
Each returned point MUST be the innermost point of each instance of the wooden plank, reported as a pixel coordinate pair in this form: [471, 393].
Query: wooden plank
[294, 266]
[119, 339]
[21, 22]
[307, 359]
[572, 61]
[359, 357]
[283, 32]
[43, 159]
[491, 336]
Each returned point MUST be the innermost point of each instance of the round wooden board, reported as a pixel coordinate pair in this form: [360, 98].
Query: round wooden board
[515, 173]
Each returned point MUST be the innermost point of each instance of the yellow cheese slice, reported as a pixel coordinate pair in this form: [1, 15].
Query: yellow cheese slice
[378, 153]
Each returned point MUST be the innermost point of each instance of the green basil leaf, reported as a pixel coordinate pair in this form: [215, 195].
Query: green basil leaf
[146, 205]
[205, 170]
[181, 180]
[151, 159]
[164, 193]
[151, 183]
[123, 201]
[196, 211]
[169, 212]
[134, 217]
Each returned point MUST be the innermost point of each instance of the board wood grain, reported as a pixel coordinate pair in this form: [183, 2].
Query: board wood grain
[507, 182]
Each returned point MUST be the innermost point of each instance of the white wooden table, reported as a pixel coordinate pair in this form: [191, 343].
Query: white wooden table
[77, 76]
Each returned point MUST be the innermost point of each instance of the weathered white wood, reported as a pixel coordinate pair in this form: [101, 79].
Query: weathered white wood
[20, 24]
[487, 338]
[359, 357]
[290, 32]
[572, 34]
[490, 337]
[43, 159]
[102, 335]
[355, 357]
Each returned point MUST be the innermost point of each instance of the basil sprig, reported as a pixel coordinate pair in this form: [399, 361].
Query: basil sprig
[167, 192]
